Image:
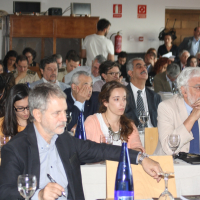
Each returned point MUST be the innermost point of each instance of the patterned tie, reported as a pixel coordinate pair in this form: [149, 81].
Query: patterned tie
[194, 144]
[140, 107]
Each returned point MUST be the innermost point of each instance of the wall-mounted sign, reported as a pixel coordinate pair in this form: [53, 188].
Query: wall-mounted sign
[117, 10]
[142, 11]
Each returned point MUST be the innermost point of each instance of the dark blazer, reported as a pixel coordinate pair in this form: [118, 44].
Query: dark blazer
[91, 107]
[161, 84]
[163, 50]
[186, 45]
[153, 100]
[21, 156]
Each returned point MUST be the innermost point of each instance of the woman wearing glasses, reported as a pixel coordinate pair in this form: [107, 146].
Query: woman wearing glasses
[109, 71]
[111, 119]
[16, 111]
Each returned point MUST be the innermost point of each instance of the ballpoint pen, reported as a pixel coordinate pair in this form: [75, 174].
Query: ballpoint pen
[53, 181]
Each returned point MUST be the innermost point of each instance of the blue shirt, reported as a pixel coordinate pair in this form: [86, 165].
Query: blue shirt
[194, 47]
[50, 163]
[189, 109]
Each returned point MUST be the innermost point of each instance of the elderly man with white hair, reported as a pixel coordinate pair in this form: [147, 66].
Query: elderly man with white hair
[180, 114]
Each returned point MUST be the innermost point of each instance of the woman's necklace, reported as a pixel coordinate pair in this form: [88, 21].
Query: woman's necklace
[115, 136]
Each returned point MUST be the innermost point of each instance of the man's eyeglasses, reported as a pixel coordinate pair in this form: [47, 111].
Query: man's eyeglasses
[21, 109]
[114, 73]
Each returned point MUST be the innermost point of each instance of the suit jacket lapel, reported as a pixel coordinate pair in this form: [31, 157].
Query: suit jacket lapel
[150, 103]
[64, 156]
[132, 100]
[87, 108]
[33, 154]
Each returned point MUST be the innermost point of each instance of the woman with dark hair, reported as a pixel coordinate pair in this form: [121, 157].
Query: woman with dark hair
[168, 47]
[161, 65]
[31, 55]
[16, 111]
[192, 61]
[9, 61]
[111, 119]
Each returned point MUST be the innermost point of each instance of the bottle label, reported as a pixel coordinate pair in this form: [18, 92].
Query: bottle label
[124, 195]
[125, 198]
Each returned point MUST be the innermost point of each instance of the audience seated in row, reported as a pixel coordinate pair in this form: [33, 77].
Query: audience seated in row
[92, 70]
[108, 71]
[110, 119]
[49, 70]
[181, 114]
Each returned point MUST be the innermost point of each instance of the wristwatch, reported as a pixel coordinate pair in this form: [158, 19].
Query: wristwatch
[142, 157]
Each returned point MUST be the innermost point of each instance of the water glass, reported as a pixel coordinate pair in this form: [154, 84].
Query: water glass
[106, 139]
[27, 185]
[174, 142]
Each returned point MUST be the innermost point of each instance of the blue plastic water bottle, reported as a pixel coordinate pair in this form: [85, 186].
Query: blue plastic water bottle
[80, 128]
[124, 178]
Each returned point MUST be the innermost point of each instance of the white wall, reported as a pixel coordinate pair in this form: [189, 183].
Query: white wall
[130, 25]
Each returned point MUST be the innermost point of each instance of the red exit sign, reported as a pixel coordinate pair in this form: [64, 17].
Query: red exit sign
[117, 10]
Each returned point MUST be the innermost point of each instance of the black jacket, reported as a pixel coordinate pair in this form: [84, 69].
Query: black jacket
[91, 107]
[153, 100]
[20, 156]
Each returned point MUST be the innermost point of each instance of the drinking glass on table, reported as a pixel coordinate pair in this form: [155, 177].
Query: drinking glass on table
[174, 142]
[106, 139]
[166, 195]
[144, 118]
[27, 184]
[3, 141]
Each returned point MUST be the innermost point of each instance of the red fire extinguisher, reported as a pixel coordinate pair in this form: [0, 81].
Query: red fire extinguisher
[118, 42]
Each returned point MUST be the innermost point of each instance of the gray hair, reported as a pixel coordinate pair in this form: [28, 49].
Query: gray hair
[100, 59]
[185, 76]
[39, 97]
[75, 76]
[173, 70]
[182, 52]
[129, 65]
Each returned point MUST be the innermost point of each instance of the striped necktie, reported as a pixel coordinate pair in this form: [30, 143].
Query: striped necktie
[140, 107]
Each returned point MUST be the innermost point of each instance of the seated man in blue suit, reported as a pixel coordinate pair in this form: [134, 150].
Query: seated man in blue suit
[80, 97]
[49, 70]
[140, 98]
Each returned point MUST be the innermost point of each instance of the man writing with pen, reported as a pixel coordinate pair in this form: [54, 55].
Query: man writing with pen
[44, 148]
[181, 115]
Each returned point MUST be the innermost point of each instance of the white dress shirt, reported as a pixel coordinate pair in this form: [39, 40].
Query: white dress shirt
[144, 97]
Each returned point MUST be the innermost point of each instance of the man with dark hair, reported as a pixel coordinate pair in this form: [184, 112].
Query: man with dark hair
[166, 81]
[49, 70]
[22, 74]
[109, 71]
[191, 44]
[72, 62]
[97, 44]
[121, 59]
[44, 147]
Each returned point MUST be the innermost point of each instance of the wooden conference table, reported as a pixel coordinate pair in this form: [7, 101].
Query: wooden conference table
[94, 180]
